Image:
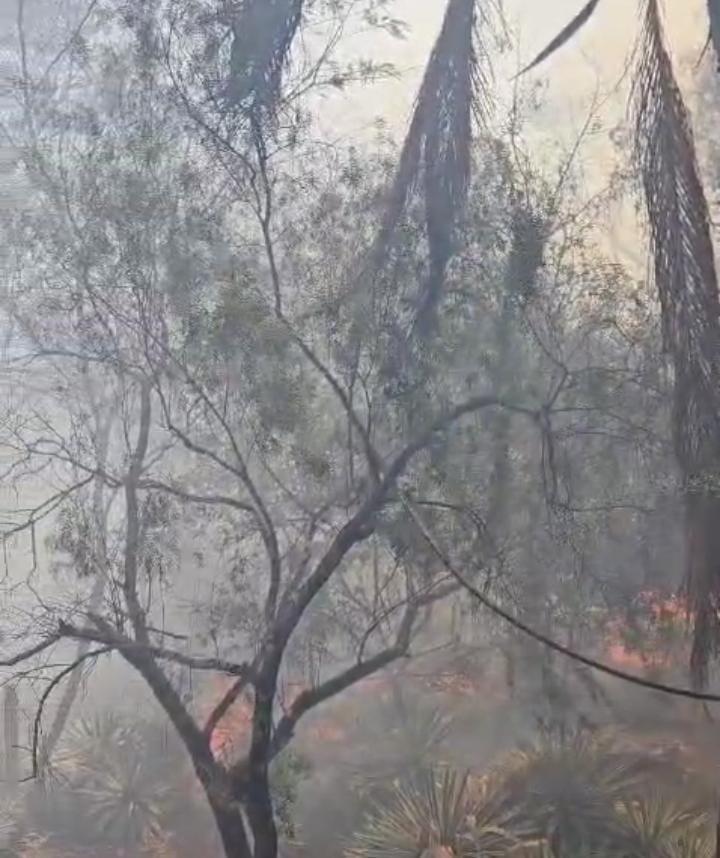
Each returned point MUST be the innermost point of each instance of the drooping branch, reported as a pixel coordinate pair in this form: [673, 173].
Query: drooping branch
[686, 280]
[71, 670]
[263, 32]
[714, 15]
[539, 637]
[437, 150]
[567, 33]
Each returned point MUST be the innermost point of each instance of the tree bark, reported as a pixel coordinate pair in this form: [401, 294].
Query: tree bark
[258, 801]
[231, 827]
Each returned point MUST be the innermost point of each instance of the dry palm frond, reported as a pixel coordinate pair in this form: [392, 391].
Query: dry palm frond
[531, 849]
[567, 32]
[714, 14]
[686, 280]
[566, 790]
[434, 815]
[656, 825]
[124, 789]
[436, 157]
[263, 32]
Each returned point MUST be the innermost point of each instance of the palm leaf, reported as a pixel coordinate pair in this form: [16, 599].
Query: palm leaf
[686, 280]
[714, 14]
[567, 32]
[436, 814]
[656, 825]
[436, 156]
[567, 789]
[125, 791]
[263, 32]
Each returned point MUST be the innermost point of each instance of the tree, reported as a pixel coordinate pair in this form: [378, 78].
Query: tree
[686, 280]
[276, 392]
[241, 416]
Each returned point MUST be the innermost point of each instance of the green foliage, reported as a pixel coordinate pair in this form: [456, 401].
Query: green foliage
[565, 797]
[120, 777]
[568, 788]
[436, 810]
[287, 772]
[401, 745]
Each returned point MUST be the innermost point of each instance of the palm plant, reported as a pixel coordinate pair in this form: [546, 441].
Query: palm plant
[568, 788]
[582, 795]
[656, 825]
[438, 814]
[686, 280]
[263, 32]
[436, 158]
[437, 146]
[401, 749]
[119, 779]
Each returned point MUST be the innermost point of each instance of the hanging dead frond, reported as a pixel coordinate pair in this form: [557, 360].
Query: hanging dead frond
[263, 32]
[714, 15]
[686, 279]
[567, 32]
[436, 157]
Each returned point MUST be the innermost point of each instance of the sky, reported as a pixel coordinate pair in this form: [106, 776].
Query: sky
[591, 69]
[596, 57]
[594, 61]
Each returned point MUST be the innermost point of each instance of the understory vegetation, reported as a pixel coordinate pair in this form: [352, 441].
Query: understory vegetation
[358, 491]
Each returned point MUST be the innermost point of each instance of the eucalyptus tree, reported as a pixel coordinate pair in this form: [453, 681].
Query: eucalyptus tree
[256, 443]
[686, 280]
[284, 370]
[681, 245]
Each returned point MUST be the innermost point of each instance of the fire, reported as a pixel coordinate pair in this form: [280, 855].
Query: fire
[328, 732]
[455, 683]
[231, 736]
[665, 608]
[233, 731]
[621, 656]
[663, 612]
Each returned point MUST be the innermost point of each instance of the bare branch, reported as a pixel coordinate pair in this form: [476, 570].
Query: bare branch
[132, 531]
[312, 697]
[57, 679]
[29, 653]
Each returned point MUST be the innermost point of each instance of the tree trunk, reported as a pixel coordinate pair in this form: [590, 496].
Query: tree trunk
[231, 828]
[11, 735]
[702, 531]
[262, 819]
[257, 799]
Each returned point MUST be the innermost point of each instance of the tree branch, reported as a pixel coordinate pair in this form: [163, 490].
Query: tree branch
[29, 653]
[124, 645]
[312, 697]
[546, 641]
[132, 530]
[56, 680]
[224, 704]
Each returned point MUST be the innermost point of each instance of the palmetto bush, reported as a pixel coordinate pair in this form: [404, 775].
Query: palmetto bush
[401, 750]
[437, 814]
[568, 788]
[658, 826]
[564, 797]
[112, 784]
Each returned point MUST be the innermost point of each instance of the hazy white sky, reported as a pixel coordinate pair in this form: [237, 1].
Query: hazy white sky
[595, 58]
[589, 67]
